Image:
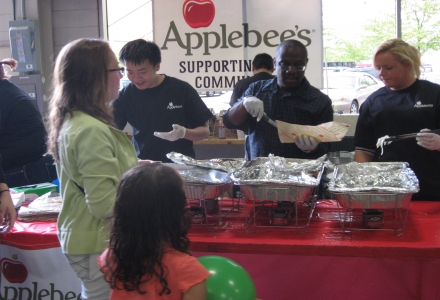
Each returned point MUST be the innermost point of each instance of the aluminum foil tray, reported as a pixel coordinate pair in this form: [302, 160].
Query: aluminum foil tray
[222, 164]
[197, 175]
[368, 200]
[205, 191]
[385, 177]
[276, 192]
[282, 171]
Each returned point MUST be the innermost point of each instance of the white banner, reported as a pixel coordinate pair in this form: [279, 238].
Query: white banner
[211, 43]
[37, 274]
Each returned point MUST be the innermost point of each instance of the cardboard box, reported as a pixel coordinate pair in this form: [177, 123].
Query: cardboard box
[33, 191]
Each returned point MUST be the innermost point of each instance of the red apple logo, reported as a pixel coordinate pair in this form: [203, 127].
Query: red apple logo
[198, 13]
[13, 270]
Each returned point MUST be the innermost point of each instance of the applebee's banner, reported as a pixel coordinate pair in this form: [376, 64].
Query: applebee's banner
[211, 43]
[36, 274]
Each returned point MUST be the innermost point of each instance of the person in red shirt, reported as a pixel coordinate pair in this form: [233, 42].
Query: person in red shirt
[148, 255]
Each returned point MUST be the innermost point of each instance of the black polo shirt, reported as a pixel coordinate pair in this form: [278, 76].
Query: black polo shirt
[157, 109]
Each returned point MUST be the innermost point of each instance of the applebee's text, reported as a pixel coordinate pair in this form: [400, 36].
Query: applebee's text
[235, 39]
[214, 82]
[24, 293]
[216, 66]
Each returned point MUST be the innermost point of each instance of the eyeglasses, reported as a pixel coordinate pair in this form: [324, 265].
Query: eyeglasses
[121, 70]
[286, 67]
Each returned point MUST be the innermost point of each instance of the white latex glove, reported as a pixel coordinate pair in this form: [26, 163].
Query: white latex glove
[254, 106]
[306, 143]
[430, 141]
[178, 132]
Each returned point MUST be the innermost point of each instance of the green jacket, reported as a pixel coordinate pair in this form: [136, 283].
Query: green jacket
[93, 155]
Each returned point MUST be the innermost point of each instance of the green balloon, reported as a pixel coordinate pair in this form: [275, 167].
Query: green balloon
[228, 280]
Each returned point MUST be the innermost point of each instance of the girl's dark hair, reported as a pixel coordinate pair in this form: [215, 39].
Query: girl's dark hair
[149, 215]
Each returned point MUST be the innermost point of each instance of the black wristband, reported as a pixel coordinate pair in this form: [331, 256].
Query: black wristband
[4, 191]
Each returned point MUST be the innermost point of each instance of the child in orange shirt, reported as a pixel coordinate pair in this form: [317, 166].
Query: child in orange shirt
[148, 255]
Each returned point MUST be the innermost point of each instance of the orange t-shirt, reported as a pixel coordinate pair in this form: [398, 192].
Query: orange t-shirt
[184, 271]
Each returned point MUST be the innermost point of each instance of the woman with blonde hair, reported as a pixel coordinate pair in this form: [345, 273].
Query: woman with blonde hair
[406, 104]
[90, 153]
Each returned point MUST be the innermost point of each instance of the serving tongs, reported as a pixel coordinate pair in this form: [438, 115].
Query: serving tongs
[408, 136]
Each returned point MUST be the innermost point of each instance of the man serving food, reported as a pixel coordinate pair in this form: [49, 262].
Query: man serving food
[289, 98]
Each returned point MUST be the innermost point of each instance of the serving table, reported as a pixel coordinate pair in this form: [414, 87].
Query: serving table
[324, 263]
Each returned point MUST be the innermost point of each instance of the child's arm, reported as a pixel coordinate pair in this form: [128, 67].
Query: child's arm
[196, 292]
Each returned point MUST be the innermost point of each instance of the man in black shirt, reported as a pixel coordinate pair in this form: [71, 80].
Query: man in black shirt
[289, 98]
[262, 68]
[153, 104]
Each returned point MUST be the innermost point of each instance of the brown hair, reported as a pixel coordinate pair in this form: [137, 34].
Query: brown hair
[402, 52]
[79, 83]
[12, 63]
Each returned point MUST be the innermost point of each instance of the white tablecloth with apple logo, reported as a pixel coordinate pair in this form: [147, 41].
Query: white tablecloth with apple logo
[33, 266]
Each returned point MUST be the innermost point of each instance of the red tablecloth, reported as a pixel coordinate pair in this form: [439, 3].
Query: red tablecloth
[321, 264]
[328, 264]
[32, 236]
[421, 238]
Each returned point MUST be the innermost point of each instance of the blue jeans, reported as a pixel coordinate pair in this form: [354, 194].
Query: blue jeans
[40, 171]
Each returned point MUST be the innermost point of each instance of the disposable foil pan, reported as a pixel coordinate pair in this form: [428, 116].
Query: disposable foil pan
[222, 164]
[385, 177]
[276, 192]
[371, 200]
[275, 170]
[198, 175]
[205, 191]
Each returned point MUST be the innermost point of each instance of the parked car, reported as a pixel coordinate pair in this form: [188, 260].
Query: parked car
[218, 103]
[348, 90]
[334, 69]
[370, 70]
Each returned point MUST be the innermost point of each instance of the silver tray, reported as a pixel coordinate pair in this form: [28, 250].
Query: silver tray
[373, 200]
[223, 164]
[280, 171]
[374, 177]
[276, 192]
[205, 191]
